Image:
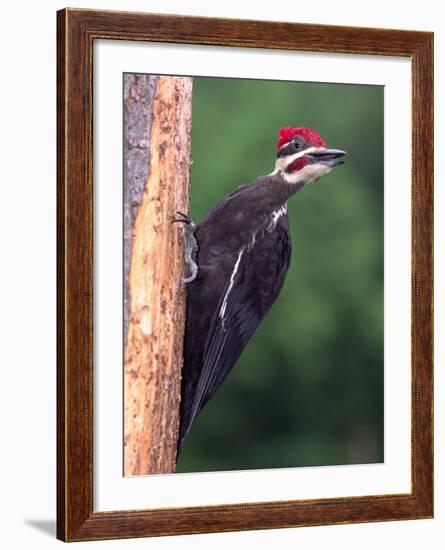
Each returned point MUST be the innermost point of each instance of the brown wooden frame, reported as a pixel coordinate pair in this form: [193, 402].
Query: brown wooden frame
[76, 32]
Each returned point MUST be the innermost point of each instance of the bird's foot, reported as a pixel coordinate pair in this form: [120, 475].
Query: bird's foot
[191, 247]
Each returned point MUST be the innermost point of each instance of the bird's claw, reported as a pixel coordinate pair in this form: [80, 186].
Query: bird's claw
[193, 275]
[191, 246]
[183, 219]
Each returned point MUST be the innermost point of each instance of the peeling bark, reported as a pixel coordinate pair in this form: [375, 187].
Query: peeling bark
[157, 128]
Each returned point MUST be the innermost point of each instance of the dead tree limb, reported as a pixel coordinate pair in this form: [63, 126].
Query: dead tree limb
[157, 128]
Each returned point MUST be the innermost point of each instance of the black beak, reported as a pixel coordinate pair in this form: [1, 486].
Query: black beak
[329, 157]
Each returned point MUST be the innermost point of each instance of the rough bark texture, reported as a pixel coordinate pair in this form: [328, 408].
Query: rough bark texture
[139, 91]
[157, 128]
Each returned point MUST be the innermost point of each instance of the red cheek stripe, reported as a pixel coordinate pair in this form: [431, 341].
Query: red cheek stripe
[298, 164]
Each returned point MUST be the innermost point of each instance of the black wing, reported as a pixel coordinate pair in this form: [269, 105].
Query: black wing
[255, 281]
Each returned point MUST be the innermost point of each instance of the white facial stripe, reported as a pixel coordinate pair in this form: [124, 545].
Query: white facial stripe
[283, 162]
[308, 174]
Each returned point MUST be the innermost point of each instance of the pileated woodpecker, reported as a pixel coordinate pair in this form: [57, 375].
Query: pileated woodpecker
[238, 257]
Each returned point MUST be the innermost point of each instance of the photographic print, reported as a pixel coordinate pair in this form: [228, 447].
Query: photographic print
[245, 225]
[253, 274]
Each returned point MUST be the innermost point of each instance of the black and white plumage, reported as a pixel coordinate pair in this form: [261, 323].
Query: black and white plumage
[244, 251]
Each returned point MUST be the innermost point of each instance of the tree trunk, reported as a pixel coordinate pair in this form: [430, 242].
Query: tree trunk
[157, 128]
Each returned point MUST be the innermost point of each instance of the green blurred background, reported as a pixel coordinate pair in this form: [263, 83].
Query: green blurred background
[308, 389]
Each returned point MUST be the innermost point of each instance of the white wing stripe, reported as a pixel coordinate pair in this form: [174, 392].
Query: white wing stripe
[232, 280]
[276, 215]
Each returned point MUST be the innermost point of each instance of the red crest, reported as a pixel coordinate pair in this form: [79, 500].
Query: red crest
[311, 136]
